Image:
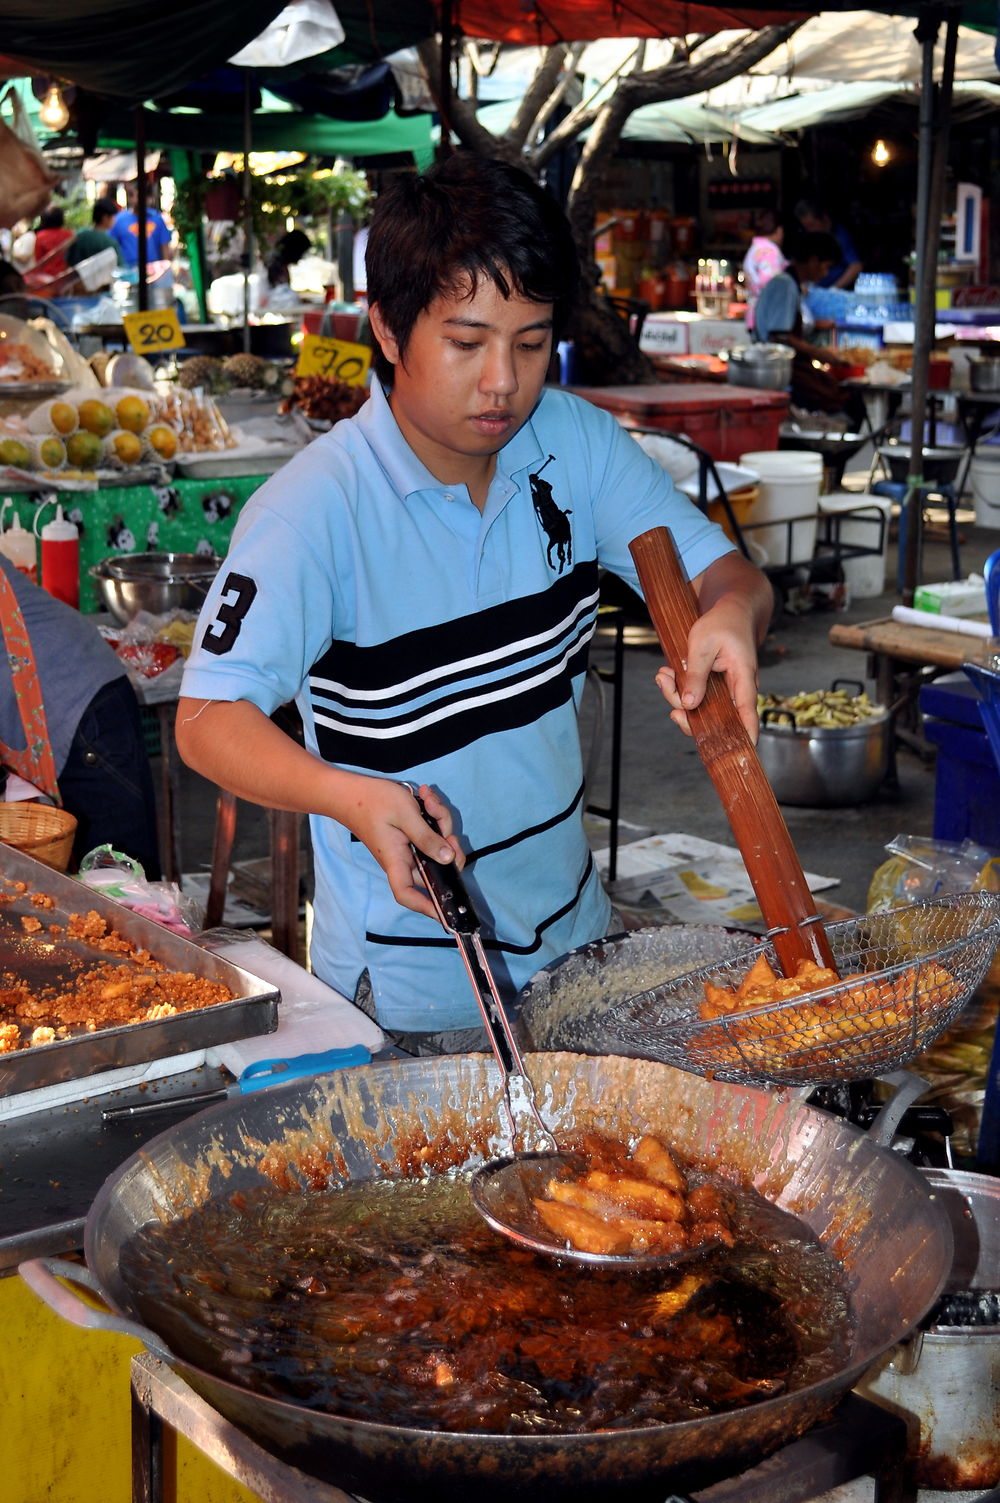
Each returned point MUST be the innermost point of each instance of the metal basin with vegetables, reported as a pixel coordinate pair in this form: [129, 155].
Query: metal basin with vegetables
[824, 749]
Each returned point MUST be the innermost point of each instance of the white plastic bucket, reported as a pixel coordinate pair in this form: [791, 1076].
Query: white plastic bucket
[864, 575]
[984, 477]
[790, 483]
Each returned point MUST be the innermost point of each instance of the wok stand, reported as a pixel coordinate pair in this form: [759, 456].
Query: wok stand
[860, 1440]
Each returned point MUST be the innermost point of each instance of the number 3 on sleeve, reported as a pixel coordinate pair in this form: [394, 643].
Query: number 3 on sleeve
[222, 633]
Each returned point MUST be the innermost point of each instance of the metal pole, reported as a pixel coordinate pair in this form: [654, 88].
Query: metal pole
[248, 240]
[444, 78]
[935, 112]
[140, 207]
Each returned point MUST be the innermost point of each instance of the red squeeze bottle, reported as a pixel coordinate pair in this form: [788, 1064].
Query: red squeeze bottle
[61, 559]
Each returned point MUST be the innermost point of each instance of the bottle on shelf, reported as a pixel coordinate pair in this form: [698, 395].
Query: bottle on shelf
[18, 544]
[61, 559]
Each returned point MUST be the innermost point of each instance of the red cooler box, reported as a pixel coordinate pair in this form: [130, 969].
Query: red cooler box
[342, 325]
[726, 421]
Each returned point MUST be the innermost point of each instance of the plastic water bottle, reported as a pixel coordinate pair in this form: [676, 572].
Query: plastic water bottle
[61, 559]
[18, 544]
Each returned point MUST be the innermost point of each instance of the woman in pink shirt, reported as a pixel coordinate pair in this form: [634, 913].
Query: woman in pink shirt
[763, 260]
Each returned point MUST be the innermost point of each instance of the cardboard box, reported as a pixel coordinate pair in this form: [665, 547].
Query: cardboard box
[959, 597]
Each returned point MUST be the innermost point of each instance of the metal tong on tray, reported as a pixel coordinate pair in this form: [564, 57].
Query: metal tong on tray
[458, 916]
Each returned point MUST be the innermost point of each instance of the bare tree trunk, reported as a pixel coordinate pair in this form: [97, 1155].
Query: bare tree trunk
[606, 351]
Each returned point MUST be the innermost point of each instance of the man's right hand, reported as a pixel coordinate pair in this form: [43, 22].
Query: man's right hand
[387, 819]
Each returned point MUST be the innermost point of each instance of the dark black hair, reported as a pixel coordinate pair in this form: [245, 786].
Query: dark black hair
[467, 217]
[292, 246]
[102, 208]
[11, 280]
[815, 243]
[51, 219]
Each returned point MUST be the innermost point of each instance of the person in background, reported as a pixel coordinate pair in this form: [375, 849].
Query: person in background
[815, 220]
[93, 723]
[780, 319]
[763, 260]
[52, 241]
[423, 581]
[98, 238]
[124, 232]
[288, 251]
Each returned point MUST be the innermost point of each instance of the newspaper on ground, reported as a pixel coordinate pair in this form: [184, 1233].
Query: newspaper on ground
[696, 881]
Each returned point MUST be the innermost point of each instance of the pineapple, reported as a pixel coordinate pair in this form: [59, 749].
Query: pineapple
[204, 371]
[250, 370]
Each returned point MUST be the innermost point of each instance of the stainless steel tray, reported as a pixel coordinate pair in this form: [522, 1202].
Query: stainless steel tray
[252, 1010]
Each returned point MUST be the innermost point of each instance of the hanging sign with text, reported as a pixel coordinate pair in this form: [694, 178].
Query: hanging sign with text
[336, 359]
[153, 332]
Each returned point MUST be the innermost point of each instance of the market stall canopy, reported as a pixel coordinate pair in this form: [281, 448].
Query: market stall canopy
[868, 44]
[591, 20]
[126, 48]
[851, 101]
[684, 122]
[131, 50]
[273, 130]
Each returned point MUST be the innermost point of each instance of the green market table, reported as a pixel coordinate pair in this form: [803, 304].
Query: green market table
[180, 516]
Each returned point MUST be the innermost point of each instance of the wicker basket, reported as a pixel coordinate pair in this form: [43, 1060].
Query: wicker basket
[39, 830]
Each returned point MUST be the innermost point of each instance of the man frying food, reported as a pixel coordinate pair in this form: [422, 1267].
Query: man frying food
[423, 582]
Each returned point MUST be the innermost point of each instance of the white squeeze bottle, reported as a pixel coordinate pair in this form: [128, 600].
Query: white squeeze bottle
[18, 544]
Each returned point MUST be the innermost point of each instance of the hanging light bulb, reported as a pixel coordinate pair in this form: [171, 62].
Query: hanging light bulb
[881, 154]
[53, 114]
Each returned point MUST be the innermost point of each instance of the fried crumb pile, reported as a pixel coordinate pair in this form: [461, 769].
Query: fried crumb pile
[135, 988]
[633, 1203]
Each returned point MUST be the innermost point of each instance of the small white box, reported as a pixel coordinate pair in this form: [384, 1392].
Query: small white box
[958, 597]
[662, 335]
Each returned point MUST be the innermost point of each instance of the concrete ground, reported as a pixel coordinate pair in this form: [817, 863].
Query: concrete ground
[664, 786]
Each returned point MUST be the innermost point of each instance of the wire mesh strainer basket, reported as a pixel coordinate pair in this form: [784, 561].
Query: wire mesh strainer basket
[907, 973]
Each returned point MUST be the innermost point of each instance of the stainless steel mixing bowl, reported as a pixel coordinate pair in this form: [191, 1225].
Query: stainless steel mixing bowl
[155, 582]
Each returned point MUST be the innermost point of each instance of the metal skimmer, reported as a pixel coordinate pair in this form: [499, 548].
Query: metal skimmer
[503, 1190]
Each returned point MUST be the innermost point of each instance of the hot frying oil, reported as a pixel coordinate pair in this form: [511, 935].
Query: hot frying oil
[394, 1302]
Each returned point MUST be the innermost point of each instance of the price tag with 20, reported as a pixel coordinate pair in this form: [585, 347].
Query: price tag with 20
[154, 331]
[336, 359]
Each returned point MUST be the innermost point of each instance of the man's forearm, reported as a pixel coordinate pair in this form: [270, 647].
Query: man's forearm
[735, 575]
[237, 746]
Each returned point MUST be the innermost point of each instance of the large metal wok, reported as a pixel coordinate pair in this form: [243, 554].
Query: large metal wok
[872, 1209]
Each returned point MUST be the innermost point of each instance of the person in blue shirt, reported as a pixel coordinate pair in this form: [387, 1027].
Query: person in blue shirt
[93, 722]
[780, 319]
[124, 232]
[423, 581]
[816, 220]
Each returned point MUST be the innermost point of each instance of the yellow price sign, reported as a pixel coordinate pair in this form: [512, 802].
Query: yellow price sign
[156, 330]
[336, 359]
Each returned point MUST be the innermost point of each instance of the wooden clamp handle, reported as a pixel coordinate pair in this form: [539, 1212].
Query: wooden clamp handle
[732, 763]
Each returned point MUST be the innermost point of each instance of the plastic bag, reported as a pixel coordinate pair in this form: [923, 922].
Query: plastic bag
[120, 877]
[26, 180]
[920, 867]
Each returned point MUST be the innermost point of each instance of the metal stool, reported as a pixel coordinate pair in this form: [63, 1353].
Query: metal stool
[284, 843]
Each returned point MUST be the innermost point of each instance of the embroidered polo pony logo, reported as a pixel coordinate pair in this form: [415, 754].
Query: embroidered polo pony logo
[554, 522]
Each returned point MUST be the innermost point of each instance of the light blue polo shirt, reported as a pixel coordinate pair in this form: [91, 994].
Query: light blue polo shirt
[425, 641]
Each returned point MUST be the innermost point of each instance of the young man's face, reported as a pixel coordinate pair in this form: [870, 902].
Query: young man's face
[473, 370]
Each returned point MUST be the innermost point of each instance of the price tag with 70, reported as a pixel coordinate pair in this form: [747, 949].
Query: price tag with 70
[158, 329]
[336, 359]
